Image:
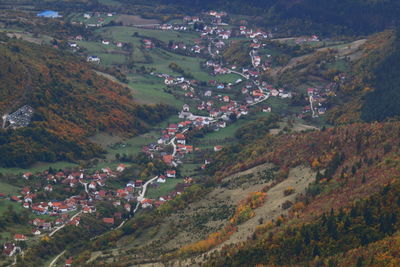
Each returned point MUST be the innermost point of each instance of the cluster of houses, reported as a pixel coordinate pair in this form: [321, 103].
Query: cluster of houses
[108, 42]
[148, 44]
[307, 39]
[20, 118]
[170, 27]
[97, 19]
[317, 97]
[252, 34]
[149, 203]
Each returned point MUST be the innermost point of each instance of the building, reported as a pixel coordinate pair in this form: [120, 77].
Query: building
[217, 148]
[48, 14]
[20, 237]
[94, 59]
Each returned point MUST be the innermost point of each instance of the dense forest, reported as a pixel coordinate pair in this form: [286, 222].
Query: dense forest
[333, 232]
[353, 202]
[322, 16]
[70, 103]
[371, 90]
[383, 102]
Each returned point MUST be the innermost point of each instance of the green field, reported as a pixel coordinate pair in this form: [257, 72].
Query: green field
[78, 17]
[149, 89]
[8, 189]
[188, 169]
[162, 189]
[124, 34]
[39, 167]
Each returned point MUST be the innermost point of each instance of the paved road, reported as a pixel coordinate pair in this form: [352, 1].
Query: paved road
[62, 226]
[312, 107]
[172, 142]
[141, 194]
[56, 258]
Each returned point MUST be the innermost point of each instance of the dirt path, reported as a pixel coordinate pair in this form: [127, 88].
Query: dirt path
[61, 227]
[56, 258]
[299, 178]
[343, 50]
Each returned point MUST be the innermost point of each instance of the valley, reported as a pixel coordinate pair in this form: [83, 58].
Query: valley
[148, 135]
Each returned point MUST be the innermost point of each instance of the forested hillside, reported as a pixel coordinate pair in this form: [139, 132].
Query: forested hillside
[70, 103]
[322, 16]
[371, 92]
[353, 202]
[384, 101]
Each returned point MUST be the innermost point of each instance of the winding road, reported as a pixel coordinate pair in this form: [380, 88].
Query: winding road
[56, 258]
[62, 226]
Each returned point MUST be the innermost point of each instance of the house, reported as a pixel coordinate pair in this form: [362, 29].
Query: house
[148, 44]
[38, 222]
[321, 111]
[27, 175]
[68, 262]
[36, 232]
[122, 193]
[92, 185]
[168, 159]
[169, 81]
[108, 220]
[161, 179]
[266, 109]
[221, 124]
[15, 198]
[186, 108]
[74, 222]
[226, 98]
[171, 174]
[180, 139]
[48, 188]
[94, 59]
[128, 207]
[130, 184]
[138, 183]
[189, 149]
[105, 42]
[146, 203]
[121, 167]
[10, 249]
[87, 209]
[217, 148]
[26, 205]
[274, 92]
[20, 237]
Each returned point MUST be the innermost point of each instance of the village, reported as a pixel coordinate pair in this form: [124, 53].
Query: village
[211, 105]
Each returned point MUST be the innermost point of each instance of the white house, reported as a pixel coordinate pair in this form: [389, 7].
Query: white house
[94, 59]
[171, 174]
[161, 179]
[121, 167]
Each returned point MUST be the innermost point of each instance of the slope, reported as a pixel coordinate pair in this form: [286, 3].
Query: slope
[70, 103]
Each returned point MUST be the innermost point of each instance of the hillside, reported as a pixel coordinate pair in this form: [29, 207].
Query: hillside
[371, 92]
[340, 182]
[323, 17]
[70, 103]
